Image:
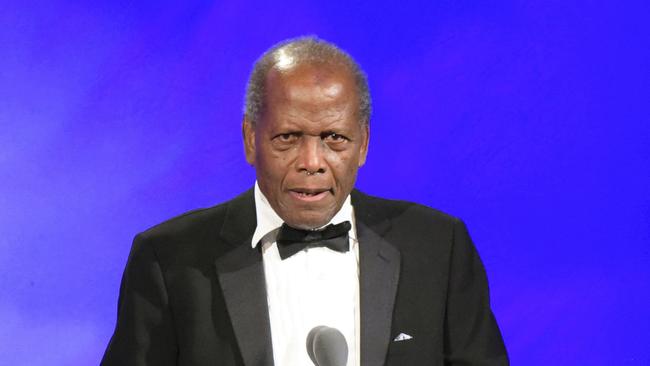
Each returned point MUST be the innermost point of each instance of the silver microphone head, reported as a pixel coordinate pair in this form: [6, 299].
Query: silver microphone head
[327, 347]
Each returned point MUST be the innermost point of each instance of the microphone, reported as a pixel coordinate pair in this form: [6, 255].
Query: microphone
[327, 346]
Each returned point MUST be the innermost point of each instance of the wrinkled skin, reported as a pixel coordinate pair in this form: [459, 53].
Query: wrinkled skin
[308, 144]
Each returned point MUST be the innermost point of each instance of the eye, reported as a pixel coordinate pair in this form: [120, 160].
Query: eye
[334, 137]
[286, 139]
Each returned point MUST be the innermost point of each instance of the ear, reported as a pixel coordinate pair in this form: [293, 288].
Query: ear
[248, 133]
[365, 139]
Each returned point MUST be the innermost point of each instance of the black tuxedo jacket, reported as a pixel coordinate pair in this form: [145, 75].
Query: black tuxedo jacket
[193, 291]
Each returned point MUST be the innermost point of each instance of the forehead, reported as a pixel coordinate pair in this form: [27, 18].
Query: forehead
[310, 87]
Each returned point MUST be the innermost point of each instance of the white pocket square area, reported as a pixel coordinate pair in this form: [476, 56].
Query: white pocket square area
[402, 337]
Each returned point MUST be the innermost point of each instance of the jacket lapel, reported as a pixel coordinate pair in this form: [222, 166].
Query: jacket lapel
[241, 276]
[379, 267]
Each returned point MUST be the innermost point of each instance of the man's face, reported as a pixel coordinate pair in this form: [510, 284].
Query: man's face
[308, 144]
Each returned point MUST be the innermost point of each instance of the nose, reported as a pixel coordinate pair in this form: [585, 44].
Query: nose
[311, 157]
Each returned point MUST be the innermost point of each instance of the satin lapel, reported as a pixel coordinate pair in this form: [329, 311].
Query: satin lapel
[379, 267]
[241, 275]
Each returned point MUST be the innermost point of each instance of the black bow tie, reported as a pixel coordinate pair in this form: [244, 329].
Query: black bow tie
[291, 241]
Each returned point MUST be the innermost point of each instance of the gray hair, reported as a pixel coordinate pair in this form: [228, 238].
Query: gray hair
[306, 49]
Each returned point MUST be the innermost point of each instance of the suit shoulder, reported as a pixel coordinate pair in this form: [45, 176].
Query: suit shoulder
[194, 222]
[186, 222]
[401, 210]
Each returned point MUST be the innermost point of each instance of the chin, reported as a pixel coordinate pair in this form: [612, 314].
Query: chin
[309, 222]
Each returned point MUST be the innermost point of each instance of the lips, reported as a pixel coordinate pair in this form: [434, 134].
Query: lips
[309, 194]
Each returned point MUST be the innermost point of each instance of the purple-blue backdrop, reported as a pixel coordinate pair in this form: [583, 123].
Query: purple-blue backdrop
[529, 120]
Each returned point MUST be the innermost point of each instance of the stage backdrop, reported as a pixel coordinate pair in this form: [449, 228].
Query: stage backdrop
[529, 120]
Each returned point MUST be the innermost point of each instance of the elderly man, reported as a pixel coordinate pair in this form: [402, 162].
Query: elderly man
[244, 282]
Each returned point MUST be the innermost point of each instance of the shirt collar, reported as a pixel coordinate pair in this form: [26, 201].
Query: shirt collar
[268, 220]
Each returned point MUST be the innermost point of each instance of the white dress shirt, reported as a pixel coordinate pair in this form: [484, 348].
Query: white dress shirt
[317, 286]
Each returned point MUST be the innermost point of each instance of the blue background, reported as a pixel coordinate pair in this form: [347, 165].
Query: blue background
[529, 120]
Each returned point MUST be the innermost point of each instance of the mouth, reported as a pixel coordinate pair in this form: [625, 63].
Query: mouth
[309, 194]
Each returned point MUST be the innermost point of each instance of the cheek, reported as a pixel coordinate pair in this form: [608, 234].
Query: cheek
[344, 168]
[273, 165]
